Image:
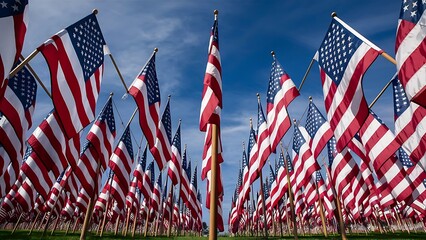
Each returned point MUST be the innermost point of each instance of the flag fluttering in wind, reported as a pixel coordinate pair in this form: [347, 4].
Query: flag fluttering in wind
[410, 121]
[410, 47]
[281, 92]
[16, 111]
[161, 150]
[120, 163]
[343, 57]
[211, 103]
[13, 22]
[75, 56]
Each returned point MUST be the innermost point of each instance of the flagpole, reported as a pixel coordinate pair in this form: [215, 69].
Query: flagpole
[357, 34]
[339, 207]
[213, 177]
[324, 228]
[107, 204]
[23, 63]
[118, 71]
[169, 230]
[37, 78]
[34, 222]
[290, 196]
[381, 92]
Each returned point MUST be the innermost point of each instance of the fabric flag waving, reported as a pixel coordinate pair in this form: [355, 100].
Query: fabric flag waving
[343, 57]
[120, 163]
[161, 150]
[146, 93]
[211, 103]
[281, 91]
[410, 47]
[13, 22]
[75, 56]
[175, 165]
[318, 128]
[410, 122]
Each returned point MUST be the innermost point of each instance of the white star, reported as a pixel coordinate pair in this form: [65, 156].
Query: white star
[15, 8]
[413, 13]
[3, 4]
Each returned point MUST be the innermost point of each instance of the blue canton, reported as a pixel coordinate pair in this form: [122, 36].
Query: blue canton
[12, 7]
[404, 158]
[88, 42]
[142, 161]
[24, 86]
[298, 140]
[127, 139]
[176, 140]
[149, 76]
[252, 141]
[289, 163]
[260, 116]
[274, 81]
[167, 122]
[107, 116]
[151, 170]
[314, 120]
[337, 48]
[400, 100]
[332, 151]
[194, 178]
[412, 10]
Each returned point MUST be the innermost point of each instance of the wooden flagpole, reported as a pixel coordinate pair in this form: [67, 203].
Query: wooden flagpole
[383, 53]
[147, 218]
[69, 225]
[290, 196]
[265, 222]
[321, 209]
[34, 222]
[51, 213]
[17, 223]
[23, 63]
[56, 224]
[89, 210]
[135, 220]
[213, 185]
[126, 226]
[107, 205]
[338, 206]
[169, 230]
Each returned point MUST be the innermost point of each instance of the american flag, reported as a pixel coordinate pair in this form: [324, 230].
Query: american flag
[263, 143]
[146, 92]
[279, 186]
[161, 150]
[341, 164]
[16, 110]
[410, 120]
[140, 167]
[185, 178]
[344, 56]
[52, 152]
[175, 165]
[381, 146]
[98, 148]
[211, 103]
[13, 22]
[301, 150]
[251, 168]
[207, 151]
[320, 184]
[415, 172]
[244, 188]
[120, 163]
[281, 91]
[318, 128]
[148, 181]
[155, 201]
[409, 48]
[192, 201]
[75, 56]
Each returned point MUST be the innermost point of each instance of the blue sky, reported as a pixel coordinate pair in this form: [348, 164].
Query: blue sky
[248, 31]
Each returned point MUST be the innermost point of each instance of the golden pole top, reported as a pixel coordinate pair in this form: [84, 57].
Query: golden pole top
[155, 49]
[333, 14]
[111, 94]
[273, 53]
[216, 12]
[310, 98]
[251, 122]
[95, 11]
[258, 96]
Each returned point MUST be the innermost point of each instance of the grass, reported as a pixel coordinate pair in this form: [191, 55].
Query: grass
[6, 234]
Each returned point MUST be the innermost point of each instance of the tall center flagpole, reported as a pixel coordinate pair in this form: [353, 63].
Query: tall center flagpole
[213, 187]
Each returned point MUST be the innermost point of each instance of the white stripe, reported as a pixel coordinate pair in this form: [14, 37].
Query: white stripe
[8, 47]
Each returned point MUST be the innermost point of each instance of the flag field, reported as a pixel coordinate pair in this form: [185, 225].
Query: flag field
[6, 234]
